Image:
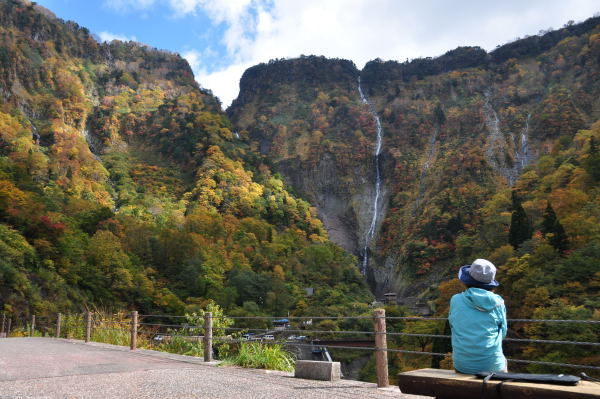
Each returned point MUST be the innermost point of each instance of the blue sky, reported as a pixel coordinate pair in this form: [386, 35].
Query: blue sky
[155, 24]
[221, 38]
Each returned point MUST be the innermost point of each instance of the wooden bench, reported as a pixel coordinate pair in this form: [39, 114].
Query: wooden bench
[448, 384]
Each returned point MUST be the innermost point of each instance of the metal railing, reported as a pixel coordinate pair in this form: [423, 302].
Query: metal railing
[146, 324]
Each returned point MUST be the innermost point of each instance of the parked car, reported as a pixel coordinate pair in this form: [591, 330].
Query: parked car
[158, 339]
[248, 336]
[268, 337]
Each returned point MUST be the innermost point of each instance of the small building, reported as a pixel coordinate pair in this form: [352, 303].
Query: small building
[391, 298]
[281, 324]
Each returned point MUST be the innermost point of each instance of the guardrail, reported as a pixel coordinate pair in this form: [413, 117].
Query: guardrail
[145, 325]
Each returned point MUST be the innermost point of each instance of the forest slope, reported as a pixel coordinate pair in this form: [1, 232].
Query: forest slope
[122, 185]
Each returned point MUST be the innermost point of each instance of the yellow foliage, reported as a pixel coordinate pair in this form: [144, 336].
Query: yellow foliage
[278, 272]
[446, 363]
[566, 201]
[318, 238]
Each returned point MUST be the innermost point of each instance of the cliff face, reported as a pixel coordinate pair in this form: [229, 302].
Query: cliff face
[305, 118]
[456, 130]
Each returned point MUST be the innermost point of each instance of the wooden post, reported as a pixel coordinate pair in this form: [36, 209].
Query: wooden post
[134, 323]
[58, 320]
[381, 359]
[32, 327]
[3, 332]
[208, 337]
[8, 328]
[88, 326]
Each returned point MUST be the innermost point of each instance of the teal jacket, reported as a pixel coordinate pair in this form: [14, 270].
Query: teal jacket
[478, 323]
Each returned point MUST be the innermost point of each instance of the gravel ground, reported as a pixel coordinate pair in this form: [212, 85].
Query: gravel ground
[45, 368]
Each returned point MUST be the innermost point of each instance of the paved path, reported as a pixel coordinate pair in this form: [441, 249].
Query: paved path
[45, 368]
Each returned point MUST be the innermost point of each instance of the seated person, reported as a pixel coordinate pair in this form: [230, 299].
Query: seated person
[478, 321]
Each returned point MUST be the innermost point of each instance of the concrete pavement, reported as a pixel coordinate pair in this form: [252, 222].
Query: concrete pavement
[47, 368]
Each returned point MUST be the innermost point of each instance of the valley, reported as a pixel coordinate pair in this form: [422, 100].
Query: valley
[125, 184]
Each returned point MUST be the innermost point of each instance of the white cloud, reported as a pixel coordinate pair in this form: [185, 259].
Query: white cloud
[218, 10]
[360, 30]
[216, 81]
[225, 82]
[109, 37]
[127, 5]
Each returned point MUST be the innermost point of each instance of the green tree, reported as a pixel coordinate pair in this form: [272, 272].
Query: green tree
[220, 322]
[441, 345]
[520, 225]
[585, 332]
[592, 162]
[553, 230]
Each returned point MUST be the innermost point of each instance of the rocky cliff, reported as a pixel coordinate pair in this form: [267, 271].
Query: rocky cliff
[457, 129]
[306, 119]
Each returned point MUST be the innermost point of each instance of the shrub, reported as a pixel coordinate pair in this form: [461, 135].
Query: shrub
[261, 356]
[182, 346]
[113, 329]
[73, 326]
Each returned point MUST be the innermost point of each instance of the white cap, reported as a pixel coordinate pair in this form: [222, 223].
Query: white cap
[483, 270]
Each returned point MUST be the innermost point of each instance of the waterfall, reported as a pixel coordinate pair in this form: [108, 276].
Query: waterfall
[496, 143]
[93, 143]
[370, 233]
[523, 152]
[495, 137]
[496, 151]
[425, 169]
[35, 135]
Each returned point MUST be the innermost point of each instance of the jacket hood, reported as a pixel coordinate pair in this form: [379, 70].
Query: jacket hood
[481, 299]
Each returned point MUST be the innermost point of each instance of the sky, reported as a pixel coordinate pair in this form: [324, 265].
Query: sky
[222, 38]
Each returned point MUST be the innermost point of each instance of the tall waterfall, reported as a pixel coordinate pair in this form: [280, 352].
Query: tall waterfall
[496, 152]
[498, 144]
[425, 169]
[522, 153]
[370, 233]
[92, 143]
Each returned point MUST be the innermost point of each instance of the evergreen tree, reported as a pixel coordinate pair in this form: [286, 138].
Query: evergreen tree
[440, 117]
[520, 225]
[592, 162]
[551, 226]
[441, 345]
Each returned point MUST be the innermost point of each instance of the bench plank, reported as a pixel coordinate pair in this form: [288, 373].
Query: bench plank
[448, 384]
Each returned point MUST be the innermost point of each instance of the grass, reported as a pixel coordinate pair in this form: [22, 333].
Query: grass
[182, 346]
[113, 329]
[260, 356]
[107, 327]
[73, 326]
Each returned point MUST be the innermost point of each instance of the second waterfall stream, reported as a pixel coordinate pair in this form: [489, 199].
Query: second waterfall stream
[370, 233]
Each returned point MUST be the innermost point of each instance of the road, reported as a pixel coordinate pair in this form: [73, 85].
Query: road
[45, 368]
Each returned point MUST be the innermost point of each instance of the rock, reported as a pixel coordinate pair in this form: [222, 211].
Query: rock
[315, 370]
